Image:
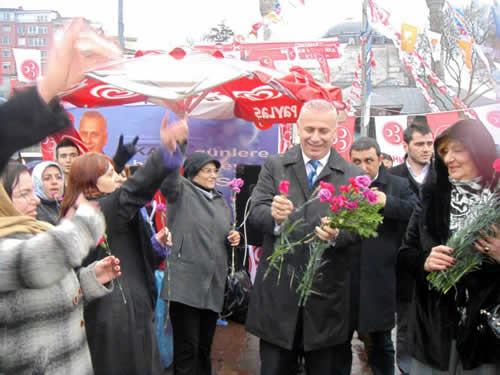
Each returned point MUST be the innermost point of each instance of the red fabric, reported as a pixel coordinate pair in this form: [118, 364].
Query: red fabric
[345, 137]
[49, 144]
[439, 122]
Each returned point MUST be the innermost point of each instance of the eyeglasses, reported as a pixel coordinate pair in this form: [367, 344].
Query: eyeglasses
[210, 170]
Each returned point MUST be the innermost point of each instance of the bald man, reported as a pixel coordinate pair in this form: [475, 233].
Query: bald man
[93, 131]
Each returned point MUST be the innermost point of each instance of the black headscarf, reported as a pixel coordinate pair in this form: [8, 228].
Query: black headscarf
[195, 162]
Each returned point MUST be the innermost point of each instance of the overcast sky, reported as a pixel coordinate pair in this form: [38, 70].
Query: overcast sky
[167, 23]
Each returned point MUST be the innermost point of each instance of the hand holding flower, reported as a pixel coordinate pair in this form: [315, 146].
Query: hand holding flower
[164, 236]
[381, 197]
[281, 208]
[107, 269]
[490, 244]
[439, 259]
[234, 238]
[324, 232]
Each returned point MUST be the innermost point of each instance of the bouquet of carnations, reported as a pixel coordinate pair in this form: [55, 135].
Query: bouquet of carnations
[477, 223]
[355, 210]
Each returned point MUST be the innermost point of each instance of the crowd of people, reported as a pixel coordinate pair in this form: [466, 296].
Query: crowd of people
[78, 254]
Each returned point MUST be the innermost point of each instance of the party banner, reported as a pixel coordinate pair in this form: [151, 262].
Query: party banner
[345, 137]
[254, 253]
[439, 122]
[232, 142]
[389, 134]
[490, 117]
[28, 64]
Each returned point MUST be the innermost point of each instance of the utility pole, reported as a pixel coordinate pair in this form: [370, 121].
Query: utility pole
[121, 38]
[366, 61]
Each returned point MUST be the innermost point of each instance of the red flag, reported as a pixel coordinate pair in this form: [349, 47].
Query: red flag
[439, 122]
[345, 137]
[267, 62]
[325, 69]
[48, 145]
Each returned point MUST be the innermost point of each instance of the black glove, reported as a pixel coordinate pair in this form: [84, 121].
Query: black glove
[124, 153]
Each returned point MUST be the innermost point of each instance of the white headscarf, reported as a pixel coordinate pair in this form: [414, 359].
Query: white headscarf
[36, 175]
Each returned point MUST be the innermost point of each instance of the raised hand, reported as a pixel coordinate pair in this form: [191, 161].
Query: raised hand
[107, 269]
[172, 134]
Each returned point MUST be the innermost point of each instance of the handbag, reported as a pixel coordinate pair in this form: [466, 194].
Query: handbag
[237, 295]
[492, 317]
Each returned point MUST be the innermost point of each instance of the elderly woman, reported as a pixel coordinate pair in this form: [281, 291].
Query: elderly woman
[48, 180]
[200, 221]
[43, 289]
[120, 327]
[448, 335]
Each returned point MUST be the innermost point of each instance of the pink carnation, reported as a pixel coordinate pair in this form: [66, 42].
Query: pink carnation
[344, 188]
[351, 205]
[363, 181]
[496, 165]
[161, 207]
[284, 186]
[338, 200]
[370, 196]
[324, 195]
[328, 186]
[235, 184]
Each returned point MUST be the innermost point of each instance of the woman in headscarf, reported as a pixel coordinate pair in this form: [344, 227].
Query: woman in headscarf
[120, 326]
[43, 288]
[48, 180]
[448, 335]
[200, 221]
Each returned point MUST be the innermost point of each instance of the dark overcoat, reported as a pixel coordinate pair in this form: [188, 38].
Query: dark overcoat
[121, 336]
[274, 312]
[376, 291]
[433, 316]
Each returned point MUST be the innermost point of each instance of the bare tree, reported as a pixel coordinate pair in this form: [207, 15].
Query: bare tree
[219, 34]
[470, 84]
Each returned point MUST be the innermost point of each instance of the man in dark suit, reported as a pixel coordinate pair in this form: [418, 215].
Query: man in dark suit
[373, 273]
[284, 328]
[418, 145]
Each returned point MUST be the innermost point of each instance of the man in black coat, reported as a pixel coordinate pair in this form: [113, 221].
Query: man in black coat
[418, 145]
[373, 274]
[274, 315]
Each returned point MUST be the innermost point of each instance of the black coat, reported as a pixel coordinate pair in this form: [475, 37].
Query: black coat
[374, 270]
[434, 317]
[48, 211]
[273, 313]
[121, 336]
[25, 120]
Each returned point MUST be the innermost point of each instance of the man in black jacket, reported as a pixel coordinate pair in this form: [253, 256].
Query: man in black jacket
[418, 144]
[373, 276]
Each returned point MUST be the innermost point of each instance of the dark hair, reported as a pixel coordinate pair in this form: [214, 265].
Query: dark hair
[386, 156]
[417, 126]
[478, 141]
[85, 171]
[365, 143]
[10, 176]
[66, 143]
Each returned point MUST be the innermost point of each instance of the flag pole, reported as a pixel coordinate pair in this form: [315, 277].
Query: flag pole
[366, 61]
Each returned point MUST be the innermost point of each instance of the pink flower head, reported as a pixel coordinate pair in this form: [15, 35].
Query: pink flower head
[344, 188]
[351, 205]
[235, 184]
[363, 181]
[324, 195]
[338, 200]
[284, 185]
[328, 186]
[370, 196]
[101, 241]
[60, 199]
[496, 165]
[161, 207]
[334, 208]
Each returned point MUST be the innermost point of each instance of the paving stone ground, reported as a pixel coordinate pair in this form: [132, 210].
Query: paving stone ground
[236, 352]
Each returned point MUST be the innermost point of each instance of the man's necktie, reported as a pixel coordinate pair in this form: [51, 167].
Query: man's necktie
[312, 172]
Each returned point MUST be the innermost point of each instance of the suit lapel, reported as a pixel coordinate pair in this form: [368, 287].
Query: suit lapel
[334, 165]
[296, 162]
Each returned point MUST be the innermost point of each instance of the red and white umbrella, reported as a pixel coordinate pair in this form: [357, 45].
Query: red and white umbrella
[203, 86]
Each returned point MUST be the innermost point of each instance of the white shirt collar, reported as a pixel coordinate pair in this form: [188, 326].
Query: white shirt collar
[322, 162]
[423, 173]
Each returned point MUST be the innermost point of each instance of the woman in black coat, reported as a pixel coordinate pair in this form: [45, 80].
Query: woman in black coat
[120, 327]
[447, 331]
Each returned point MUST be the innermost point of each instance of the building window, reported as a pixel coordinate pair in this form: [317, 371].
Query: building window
[38, 42]
[21, 42]
[43, 30]
[20, 30]
[6, 28]
[6, 53]
[31, 29]
[44, 54]
[6, 41]
[6, 65]
[42, 19]
[4, 16]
